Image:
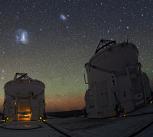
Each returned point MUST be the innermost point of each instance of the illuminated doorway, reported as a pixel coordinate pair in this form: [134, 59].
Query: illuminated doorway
[24, 112]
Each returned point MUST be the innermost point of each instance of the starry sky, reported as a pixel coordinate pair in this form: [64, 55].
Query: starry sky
[51, 40]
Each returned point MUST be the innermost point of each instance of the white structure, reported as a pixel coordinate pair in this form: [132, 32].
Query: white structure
[24, 98]
[116, 83]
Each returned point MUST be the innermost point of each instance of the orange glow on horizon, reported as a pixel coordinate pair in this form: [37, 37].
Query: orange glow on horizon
[64, 104]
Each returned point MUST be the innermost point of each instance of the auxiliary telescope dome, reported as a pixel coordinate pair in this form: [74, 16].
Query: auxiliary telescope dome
[24, 98]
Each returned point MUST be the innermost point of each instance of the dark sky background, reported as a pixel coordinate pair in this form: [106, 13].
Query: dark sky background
[53, 39]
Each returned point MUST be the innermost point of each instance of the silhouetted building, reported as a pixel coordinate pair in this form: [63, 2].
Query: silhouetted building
[24, 98]
[116, 83]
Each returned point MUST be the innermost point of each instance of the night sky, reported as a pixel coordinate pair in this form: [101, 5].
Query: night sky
[51, 40]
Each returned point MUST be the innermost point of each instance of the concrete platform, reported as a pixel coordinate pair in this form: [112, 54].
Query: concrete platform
[111, 127]
[84, 127]
[18, 125]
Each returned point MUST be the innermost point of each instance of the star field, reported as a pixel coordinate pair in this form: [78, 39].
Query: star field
[63, 35]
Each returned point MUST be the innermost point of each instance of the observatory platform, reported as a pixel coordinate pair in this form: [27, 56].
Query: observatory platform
[21, 125]
[135, 124]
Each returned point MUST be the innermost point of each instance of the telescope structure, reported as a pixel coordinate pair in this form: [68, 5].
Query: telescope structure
[116, 83]
[24, 98]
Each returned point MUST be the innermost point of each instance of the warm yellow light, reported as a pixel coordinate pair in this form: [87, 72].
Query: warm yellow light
[44, 120]
[24, 117]
[40, 118]
[24, 113]
[7, 119]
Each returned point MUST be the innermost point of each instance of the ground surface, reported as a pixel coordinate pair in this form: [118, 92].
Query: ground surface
[137, 124]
